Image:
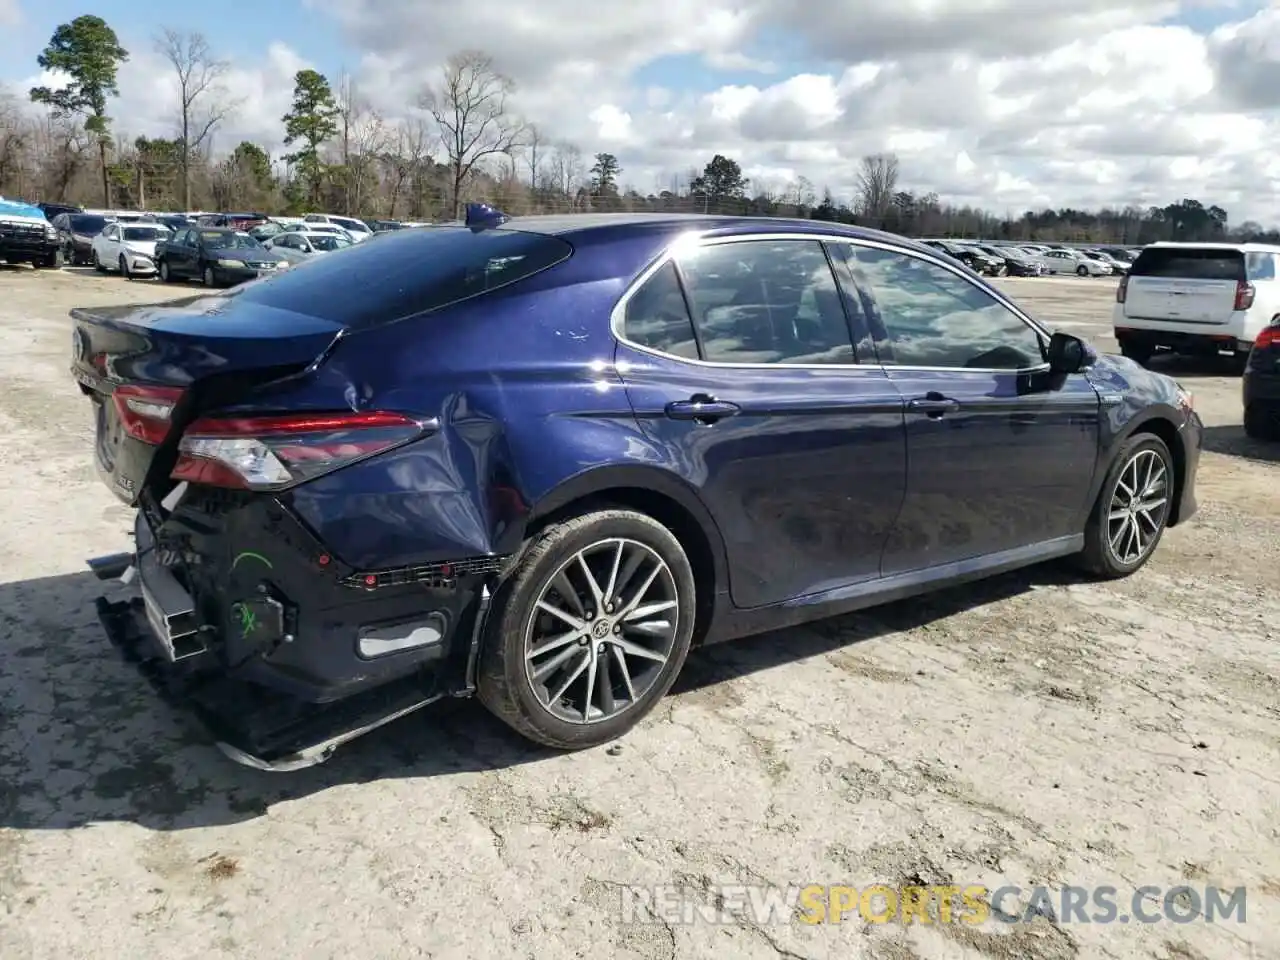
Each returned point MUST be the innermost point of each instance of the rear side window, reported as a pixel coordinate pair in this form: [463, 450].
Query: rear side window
[409, 273]
[1190, 263]
[657, 317]
[1261, 266]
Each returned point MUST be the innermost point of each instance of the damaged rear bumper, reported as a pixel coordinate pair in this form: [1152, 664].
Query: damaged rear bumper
[250, 700]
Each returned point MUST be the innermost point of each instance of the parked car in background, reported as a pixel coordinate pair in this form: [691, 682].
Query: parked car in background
[392, 476]
[382, 226]
[272, 228]
[129, 248]
[217, 256]
[1017, 263]
[299, 247]
[174, 221]
[1069, 261]
[1261, 385]
[1118, 267]
[51, 210]
[970, 256]
[1123, 254]
[331, 229]
[26, 235]
[356, 229]
[1197, 298]
[75, 236]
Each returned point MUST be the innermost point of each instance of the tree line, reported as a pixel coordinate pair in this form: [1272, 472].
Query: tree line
[462, 140]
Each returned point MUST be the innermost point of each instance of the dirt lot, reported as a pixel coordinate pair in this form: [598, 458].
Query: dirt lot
[1034, 730]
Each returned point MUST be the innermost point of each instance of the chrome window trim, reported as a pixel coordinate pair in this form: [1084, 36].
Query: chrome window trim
[688, 240]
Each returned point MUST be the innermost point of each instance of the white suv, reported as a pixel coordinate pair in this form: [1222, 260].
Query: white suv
[358, 229]
[1197, 298]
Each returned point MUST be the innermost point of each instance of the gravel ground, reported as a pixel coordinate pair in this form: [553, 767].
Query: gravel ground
[1032, 730]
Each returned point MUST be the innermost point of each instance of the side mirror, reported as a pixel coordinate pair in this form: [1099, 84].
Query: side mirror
[1068, 354]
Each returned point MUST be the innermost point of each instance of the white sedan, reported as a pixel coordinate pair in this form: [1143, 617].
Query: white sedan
[1069, 261]
[129, 248]
[304, 244]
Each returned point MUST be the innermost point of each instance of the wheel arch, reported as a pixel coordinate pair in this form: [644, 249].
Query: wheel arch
[656, 493]
[1160, 424]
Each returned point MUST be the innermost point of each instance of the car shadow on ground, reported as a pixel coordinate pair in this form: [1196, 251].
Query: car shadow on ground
[1232, 441]
[84, 740]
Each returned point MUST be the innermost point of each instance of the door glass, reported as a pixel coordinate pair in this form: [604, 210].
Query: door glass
[927, 316]
[766, 301]
[657, 317]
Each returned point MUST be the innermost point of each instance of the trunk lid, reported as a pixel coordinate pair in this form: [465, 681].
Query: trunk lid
[150, 370]
[1185, 284]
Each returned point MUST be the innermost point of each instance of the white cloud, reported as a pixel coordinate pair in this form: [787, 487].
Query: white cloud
[1003, 103]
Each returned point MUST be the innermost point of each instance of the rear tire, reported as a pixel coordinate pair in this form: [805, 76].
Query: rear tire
[594, 680]
[1137, 352]
[1132, 510]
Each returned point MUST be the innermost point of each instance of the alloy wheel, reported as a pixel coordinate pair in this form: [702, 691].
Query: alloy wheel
[1139, 507]
[603, 627]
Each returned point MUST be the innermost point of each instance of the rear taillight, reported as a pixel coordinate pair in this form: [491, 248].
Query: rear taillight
[271, 453]
[1269, 337]
[145, 412]
[1244, 295]
[1122, 291]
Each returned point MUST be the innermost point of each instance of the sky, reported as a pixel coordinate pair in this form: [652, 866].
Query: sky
[1005, 104]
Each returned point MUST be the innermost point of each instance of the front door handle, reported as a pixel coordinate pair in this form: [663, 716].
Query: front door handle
[702, 409]
[933, 405]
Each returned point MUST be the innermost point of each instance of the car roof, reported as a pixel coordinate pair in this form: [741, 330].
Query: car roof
[1247, 247]
[567, 225]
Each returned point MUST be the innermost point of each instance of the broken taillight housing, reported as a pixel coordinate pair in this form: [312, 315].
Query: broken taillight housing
[275, 452]
[145, 412]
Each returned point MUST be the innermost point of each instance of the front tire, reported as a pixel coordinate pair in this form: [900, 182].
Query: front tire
[124, 269]
[589, 631]
[1082, 270]
[1132, 510]
[97, 263]
[210, 280]
[165, 276]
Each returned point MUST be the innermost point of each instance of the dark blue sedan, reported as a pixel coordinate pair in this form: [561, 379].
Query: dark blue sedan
[539, 459]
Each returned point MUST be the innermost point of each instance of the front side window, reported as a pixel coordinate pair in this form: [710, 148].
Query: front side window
[928, 316]
[766, 301]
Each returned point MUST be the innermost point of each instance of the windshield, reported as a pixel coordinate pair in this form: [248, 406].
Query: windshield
[327, 242]
[145, 234]
[229, 241]
[88, 224]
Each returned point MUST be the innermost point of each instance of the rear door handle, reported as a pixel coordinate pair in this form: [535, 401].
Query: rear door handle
[934, 406]
[701, 408]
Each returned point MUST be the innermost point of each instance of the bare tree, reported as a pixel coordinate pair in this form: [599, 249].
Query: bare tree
[202, 100]
[403, 158]
[15, 142]
[362, 139]
[877, 182]
[470, 107]
[534, 147]
[567, 168]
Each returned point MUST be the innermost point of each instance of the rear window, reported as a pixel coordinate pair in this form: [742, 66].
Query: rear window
[1190, 263]
[408, 273]
[88, 224]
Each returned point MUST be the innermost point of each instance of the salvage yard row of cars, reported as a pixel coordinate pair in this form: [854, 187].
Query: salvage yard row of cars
[1003, 258]
[216, 248]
